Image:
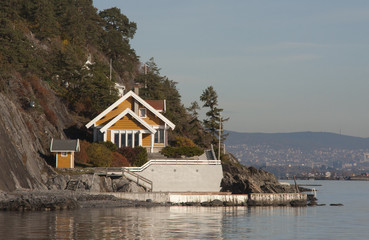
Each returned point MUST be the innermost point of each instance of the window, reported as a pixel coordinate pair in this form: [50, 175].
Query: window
[137, 139]
[159, 136]
[126, 138]
[64, 154]
[142, 112]
[129, 140]
[116, 139]
[123, 139]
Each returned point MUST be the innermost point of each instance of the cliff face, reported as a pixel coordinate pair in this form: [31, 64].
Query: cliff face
[25, 135]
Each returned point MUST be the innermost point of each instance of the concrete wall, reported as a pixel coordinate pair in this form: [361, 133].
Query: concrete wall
[253, 199]
[184, 178]
[267, 199]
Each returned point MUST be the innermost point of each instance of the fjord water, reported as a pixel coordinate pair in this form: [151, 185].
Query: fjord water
[350, 221]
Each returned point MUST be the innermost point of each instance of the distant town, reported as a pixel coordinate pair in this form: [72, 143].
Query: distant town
[318, 162]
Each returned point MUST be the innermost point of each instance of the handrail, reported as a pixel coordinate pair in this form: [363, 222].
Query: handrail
[173, 162]
[138, 177]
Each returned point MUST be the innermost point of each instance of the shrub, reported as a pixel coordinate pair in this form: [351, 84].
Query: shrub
[141, 156]
[136, 156]
[119, 160]
[111, 146]
[176, 152]
[99, 155]
[184, 142]
[82, 156]
[128, 153]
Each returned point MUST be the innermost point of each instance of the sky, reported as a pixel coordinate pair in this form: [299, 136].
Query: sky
[277, 66]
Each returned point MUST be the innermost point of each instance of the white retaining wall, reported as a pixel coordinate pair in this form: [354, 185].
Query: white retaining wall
[265, 199]
[256, 199]
[181, 177]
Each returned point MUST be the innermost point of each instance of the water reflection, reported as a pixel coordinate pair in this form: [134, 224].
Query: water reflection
[145, 223]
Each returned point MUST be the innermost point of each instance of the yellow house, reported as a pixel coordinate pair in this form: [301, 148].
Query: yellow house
[132, 121]
[64, 150]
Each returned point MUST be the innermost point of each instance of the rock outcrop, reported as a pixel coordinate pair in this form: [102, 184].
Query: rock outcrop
[239, 179]
[92, 183]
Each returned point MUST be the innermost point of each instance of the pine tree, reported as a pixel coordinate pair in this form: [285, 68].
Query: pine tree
[214, 120]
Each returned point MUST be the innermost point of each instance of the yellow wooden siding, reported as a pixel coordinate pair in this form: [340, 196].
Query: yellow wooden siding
[159, 145]
[152, 119]
[127, 122]
[146, 140]
[116, 111]
[64, 162]
[108, 136]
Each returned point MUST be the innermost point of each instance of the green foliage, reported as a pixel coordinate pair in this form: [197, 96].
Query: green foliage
[184, 142]
[176, 152]
[214, 120]
[141, 156]
[159, 87]
[99, 155]
[52, 40]
[116, 21]
[109, 145]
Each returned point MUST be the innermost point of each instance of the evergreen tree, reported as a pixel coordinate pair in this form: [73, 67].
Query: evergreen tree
[214, 120]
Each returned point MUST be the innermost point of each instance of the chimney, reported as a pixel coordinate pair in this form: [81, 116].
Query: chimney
[136, 90]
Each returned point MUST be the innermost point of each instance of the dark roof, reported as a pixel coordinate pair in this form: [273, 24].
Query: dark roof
[158, 105]
[58, 145]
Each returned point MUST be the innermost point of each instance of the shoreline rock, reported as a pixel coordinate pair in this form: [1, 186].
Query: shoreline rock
[63, 200]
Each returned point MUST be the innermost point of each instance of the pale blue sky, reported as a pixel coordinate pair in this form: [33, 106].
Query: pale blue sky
[277, 65]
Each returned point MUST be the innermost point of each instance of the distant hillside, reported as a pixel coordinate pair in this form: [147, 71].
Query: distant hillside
[298, 140]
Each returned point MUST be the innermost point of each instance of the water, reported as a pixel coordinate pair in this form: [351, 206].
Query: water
[327, 222]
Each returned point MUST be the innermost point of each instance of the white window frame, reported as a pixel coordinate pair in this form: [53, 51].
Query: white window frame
[140, 113]
[126, 132]
[64, 154]
[157, 128]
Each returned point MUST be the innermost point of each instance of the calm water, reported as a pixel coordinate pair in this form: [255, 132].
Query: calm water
[327, 222]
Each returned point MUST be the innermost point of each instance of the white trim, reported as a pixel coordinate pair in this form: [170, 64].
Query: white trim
[72, 160]
[126, 132]
[137, 98]
[64, 154]
[152, 142]
[139, 112]
[56, 163]
[122, 114]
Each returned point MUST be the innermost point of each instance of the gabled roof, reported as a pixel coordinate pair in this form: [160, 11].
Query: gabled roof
[122, 114]
[137, 98]
[58, 145]
[159, 105]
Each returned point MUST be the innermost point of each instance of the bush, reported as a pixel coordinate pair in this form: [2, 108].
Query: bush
[141, 156]
[99, 155]
[177, 152]
[111, 146]
[82, 156]
[136, 156]
[184, 142]
[128, 153]
[119, 160]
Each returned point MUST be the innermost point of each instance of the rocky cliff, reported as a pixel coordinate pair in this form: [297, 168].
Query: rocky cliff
[25, 135]
[240, 179]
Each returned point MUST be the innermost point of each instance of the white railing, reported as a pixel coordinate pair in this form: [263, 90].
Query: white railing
[138, 178]
[173, 162]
